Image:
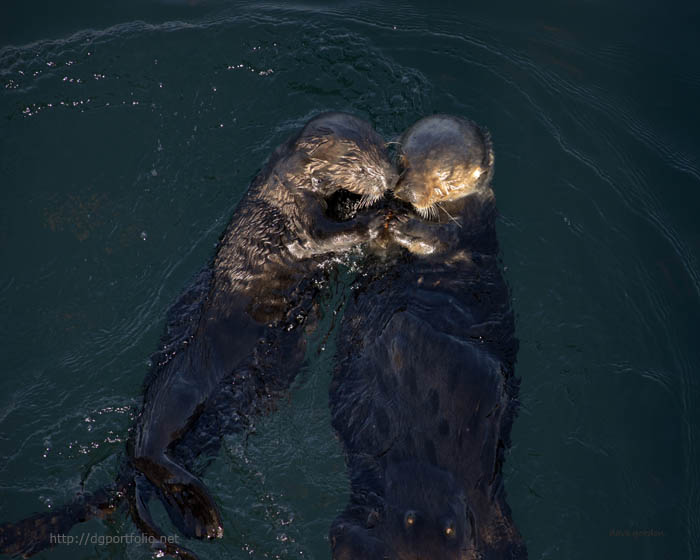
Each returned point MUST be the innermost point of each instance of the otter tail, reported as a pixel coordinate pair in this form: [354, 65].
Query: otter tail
[44, 530]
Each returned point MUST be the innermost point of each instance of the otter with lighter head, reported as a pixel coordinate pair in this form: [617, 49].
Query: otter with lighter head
[424, 394]
[235, 339]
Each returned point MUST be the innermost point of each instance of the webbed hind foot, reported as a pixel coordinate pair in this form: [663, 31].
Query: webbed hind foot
[192, 509]
[187, 501]
[139, 497]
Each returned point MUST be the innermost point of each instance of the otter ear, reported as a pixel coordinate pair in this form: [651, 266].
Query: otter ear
[488, 143]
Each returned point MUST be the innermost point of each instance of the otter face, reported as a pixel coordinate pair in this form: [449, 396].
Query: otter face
[362, 169]
[424, 517]
[344, 152]
[442, 159]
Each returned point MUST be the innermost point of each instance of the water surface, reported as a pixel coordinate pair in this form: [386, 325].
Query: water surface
[129, 133]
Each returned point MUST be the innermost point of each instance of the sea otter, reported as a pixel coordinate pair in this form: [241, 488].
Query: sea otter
[423, 394]
[262, 290]
[235, 339]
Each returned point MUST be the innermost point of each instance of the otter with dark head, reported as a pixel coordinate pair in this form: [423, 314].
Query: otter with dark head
[262, 290]
[423, 395]
[235, 339]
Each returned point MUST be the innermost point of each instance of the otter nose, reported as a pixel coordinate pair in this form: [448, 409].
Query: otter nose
[391, 178]
[403, 191]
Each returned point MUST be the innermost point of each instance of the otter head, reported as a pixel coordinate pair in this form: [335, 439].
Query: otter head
[442, 160]
[424, 516]
[342, 151]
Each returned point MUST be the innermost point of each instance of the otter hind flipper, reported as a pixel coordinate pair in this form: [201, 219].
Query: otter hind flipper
[192, 509]
[138, 500]
[187, 501]
[140, 513]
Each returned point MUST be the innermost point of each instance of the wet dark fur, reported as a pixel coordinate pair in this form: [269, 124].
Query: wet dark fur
[235, 340]
[424, 395]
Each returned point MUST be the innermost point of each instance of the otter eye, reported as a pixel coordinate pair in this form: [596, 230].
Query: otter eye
[450, 530]
[410, 518]
[477, 173]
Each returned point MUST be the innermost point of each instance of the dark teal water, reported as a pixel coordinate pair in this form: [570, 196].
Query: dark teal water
[128, 133]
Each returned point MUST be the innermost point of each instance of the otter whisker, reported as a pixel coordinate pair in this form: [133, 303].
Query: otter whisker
[428, 213]
[368, 200]
[448, 214]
